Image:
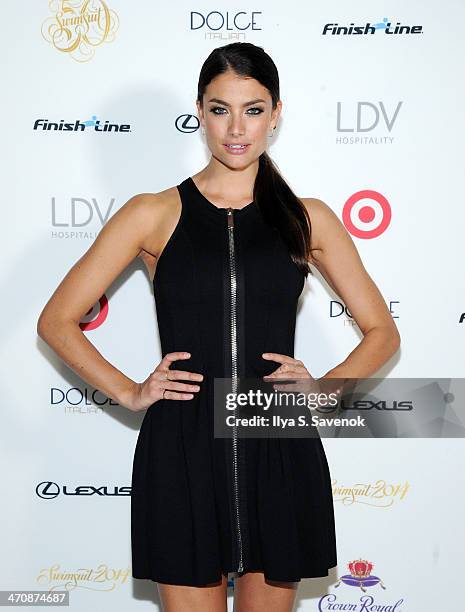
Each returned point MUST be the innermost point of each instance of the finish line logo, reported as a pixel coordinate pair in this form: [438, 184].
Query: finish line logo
[92, 124]
[334, 29]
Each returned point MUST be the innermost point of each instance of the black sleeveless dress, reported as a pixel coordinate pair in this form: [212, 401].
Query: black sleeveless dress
[226, 291]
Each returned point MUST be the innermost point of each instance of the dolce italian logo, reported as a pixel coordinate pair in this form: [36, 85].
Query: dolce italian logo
[90, 125]
[337, 309]
[75, 399]
[77, 28]
[228, 21]
[385, 26]
[50, 490]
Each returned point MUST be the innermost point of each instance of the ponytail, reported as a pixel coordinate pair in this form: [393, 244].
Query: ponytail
[282, 209]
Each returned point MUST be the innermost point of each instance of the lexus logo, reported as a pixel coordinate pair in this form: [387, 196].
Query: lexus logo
[47, 490]
[187, 123]
[50, 490]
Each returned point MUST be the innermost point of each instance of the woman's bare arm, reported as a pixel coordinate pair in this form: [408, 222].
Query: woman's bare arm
[337, 259]
[125, 236]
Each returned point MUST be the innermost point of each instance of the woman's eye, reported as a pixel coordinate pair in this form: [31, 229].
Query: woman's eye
[219, 108]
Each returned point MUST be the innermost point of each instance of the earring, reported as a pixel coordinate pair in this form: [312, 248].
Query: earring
[272, 132]
[203, 131]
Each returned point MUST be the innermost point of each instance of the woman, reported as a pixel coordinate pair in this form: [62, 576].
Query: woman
[231, 247]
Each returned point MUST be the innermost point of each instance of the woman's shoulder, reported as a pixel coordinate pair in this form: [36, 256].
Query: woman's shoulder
[315, 206]
[154, 209]
[326, 225]
[154, 202]
[158, 212]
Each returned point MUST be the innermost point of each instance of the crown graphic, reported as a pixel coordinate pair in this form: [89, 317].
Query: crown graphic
[360, 568]
[360, 575]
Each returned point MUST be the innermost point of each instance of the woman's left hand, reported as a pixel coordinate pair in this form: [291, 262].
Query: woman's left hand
[290, 368]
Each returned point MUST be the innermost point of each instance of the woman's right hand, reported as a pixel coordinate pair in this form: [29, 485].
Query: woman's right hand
[162, 384]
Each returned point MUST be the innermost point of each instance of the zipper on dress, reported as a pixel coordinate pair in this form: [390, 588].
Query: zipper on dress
[234, 373]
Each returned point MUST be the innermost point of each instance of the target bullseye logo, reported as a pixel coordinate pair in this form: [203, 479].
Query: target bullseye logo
[96, 315]
[366, 214]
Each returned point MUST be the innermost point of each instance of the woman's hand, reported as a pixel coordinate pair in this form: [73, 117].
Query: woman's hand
[289, 368]
[162, 384]
[292, 368]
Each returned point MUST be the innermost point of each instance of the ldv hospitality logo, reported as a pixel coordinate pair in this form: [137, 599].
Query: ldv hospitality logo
[385, 26]
[93, 124]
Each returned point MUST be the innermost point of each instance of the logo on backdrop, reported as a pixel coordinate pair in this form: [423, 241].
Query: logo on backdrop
[99, 578]
[76, 400]
[379, 494]
[338, 309]
[462, 318]
[360, 577]
[371, 117]
[90, 125]
[51, 490]
[77, 214]
[96, 315]
[366, 214]
[77, 28]
[225, 26]
[383, 27]
[187, 123]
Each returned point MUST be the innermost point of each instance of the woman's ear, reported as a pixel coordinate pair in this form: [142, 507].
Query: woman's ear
[276, 113]
[199, 111]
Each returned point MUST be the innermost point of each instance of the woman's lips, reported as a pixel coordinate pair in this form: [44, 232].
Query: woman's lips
[236, 150]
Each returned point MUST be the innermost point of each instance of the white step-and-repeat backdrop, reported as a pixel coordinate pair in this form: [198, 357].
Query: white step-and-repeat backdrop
[372, 124]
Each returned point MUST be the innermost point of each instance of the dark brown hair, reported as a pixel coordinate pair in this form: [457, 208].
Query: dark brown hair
[278, 204]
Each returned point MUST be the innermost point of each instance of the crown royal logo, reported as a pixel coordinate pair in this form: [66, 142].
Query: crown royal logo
[78, 26]
[360, 575]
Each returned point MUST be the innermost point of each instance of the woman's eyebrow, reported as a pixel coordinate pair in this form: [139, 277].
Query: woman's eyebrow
[218, 101]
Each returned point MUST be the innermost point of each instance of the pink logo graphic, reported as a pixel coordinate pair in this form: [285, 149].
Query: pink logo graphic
[96, 315]
[366, 214]
[360, 575]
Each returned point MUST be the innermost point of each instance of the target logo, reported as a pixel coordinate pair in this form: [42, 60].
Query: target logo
[366, 214]
[96, 315]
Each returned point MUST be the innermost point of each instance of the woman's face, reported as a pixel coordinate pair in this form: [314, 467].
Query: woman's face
[237, 110]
